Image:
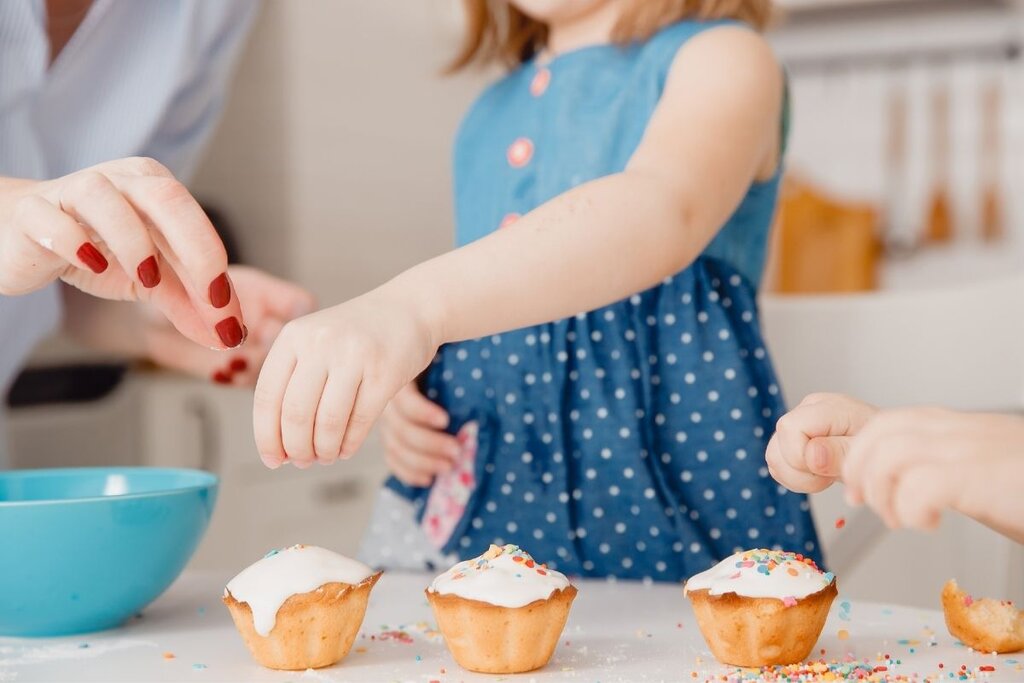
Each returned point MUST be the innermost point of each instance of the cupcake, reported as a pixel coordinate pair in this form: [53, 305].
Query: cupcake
[761, 607]
[301, 607]
[502, 612]
[984, 624]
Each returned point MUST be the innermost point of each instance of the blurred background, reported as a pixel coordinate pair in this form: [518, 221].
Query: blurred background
[897, 271]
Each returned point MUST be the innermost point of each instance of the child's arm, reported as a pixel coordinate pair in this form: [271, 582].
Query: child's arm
[911, 464]
[715, 131]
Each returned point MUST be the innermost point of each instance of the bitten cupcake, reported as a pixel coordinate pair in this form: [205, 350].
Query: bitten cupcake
[762, 607]
[502, 612]
[301, 607]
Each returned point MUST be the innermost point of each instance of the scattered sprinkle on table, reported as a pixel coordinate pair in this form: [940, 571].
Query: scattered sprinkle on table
[840, 522]
[168, 655]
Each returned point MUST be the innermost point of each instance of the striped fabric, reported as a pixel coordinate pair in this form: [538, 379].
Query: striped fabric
[139, 77]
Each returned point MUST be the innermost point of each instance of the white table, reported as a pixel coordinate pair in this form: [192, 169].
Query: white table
[616, 632]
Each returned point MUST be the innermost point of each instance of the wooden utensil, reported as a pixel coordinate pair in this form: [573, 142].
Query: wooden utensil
[991, 219]
[939, 227]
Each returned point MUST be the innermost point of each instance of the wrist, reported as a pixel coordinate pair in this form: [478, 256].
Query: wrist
[420, 299]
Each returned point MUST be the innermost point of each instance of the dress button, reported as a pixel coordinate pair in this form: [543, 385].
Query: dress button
[508, 220]
[520, 152]
[540, 82]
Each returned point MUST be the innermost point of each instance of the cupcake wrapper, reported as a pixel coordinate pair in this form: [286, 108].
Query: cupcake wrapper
[502, 640]
[312, 630]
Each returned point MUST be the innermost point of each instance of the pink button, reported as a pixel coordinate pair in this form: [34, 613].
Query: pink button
[520, 152]
[540, 82]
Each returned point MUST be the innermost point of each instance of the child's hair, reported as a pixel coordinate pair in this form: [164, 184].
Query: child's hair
[497, 31]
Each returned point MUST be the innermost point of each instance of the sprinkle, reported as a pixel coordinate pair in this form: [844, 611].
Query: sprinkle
[968, 601]
[986, 667]
[418, 658]
[840, 522]
[198, 667]
[361, 650]
[168, 655]
[843, 634]
[83, 646]
[789, 601]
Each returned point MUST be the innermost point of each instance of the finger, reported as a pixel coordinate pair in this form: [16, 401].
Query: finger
[267, 399]
[92, 198]
[922, 493]
[199, 258]
[405, 474]
[432, 460]
[59, 233]
[368, 406]
[891, 454]
[794, 480]
[298, 412]
[415, 407]
[425, 440]
[332, 415]
[825, 455]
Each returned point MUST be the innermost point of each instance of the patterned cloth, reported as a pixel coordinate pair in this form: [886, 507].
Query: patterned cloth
[627, 441]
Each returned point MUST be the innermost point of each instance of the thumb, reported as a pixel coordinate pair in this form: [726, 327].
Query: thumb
[825, 455]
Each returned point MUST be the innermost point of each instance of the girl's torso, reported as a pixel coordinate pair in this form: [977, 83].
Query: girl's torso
[628, 440]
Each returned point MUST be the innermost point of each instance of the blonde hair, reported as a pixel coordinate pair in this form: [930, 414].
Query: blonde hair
[498, 32]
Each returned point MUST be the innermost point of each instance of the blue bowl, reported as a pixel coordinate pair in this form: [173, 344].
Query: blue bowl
[84, 549]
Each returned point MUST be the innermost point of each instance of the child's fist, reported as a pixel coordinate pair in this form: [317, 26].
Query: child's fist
[910, 464]
[806, 452]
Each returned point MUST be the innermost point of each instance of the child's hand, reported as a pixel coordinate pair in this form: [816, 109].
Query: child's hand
[416, 446]
[910, 464]
[807, 450]
[330, 374]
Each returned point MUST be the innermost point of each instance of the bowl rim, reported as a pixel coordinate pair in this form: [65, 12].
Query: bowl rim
[209, 480]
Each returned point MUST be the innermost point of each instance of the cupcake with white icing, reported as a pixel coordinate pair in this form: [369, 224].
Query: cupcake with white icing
[502, 612]
[300, 607]
[762, 607]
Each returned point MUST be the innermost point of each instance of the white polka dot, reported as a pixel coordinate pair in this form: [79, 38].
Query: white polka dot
[695, 547]
[528, 497]
[506, 489]
[538, 534]
[609, 315]
[595, 335]
[708, 356]
[509, 437]
[681, 437]
[562, 356]
[620, 394]
[686, 475]
[551, 517]
[477, 523]
[635, 299]
[602, 413]
[581, 532]
[747, 316]
[591, 473]
[689, 378]
[702, 317]
[769, 511]
[491, 506]
[723, 334]
[624, 432]
[513, 359]
[730, 513]
[712, 297]
[753, 533]
[649, 493]
[675, 398]
[629, 335]
[563, 497]
[627, 563]
[604, 548]
[735, 413]
[724, 475]
[588, 565]
[730, 374]
[745, 494]
[527, 457]
[547, 478]
[628, 473]
[713, 396]
[709, 494]
[531, 340]
[588, 433]
[719, 435]
[715, 534]
[686, 337]
[613, 490]
[512, 527]
[741, 454]
[702, 456]
[577, 494]
[599, 512]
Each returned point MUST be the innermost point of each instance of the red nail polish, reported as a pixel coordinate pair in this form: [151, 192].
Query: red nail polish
[230, 332]
[91, 257]
[220, 291]
[149, 273]
[221, 377]
[239, 365]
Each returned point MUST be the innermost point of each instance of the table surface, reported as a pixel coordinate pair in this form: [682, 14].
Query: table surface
[619, 631]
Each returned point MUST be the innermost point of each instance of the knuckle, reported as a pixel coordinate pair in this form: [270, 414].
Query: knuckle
[294, 414]
[169, 190]
[88, 183]
[146, 166]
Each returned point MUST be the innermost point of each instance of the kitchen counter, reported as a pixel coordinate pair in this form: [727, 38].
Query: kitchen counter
[616, 632]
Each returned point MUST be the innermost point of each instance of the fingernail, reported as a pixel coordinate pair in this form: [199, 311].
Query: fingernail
[220, 291]
[221, 377]
[245, 334]
[272, 464]
[149, 273]
[91, 257]
[230, 332]
[239, 364]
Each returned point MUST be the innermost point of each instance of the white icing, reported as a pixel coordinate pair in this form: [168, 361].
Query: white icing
[744, 573]
[506, 577]
[266, 584]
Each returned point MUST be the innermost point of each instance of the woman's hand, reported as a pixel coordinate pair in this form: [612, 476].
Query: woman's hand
[268, 303]
[329, 376]
[123, 230]
[416, 445]
[910, 464]
[806, 452]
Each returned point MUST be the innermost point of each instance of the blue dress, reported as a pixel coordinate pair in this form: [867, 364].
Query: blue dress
[627, 441]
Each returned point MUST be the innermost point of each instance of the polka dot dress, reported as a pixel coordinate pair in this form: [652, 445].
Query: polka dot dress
[626, 441]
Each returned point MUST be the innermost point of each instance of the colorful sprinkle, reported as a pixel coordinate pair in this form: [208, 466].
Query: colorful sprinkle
[840, 522]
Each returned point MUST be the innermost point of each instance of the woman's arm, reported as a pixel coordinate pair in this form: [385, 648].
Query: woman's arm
[329, 375]
[715, 131]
